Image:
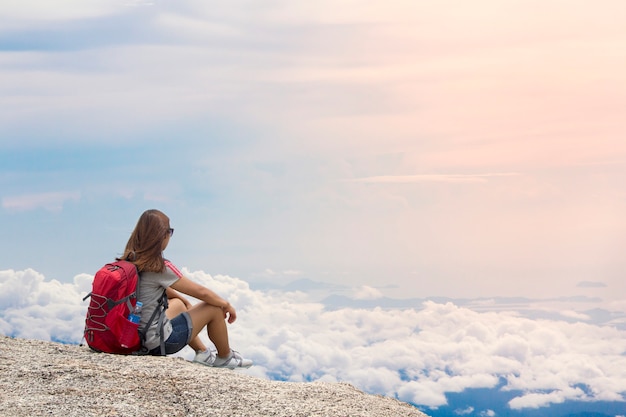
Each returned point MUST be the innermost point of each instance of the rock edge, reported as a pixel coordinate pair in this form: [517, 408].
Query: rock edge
[53, 379]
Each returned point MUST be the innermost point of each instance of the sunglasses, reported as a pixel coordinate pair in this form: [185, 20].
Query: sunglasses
[170, 231]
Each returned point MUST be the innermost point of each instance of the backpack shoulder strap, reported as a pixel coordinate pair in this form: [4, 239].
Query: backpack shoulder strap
[160, 308]
[163, 307]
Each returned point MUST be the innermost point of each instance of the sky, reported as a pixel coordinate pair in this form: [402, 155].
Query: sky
[422, 149]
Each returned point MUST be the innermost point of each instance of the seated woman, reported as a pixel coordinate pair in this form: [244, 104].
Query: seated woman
[182, 322]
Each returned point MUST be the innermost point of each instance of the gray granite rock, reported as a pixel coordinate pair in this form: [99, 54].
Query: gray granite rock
[42, 378]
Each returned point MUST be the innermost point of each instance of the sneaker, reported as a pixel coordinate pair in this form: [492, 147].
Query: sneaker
[205, 358]
[235, 360]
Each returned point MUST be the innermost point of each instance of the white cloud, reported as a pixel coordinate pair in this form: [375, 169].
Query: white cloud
[407, 179]
[367, 293]
[33, 308]
[536, 400]
[575, 315]
[415, 355]
[465, 411]
[591, 284]
[51, 201]
[59, 10]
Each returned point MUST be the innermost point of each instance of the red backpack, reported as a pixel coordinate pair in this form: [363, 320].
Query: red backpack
[113, 297]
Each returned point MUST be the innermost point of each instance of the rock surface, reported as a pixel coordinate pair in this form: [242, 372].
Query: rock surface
[44, 378]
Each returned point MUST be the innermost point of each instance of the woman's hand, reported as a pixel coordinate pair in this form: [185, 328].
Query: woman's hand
[230, 313]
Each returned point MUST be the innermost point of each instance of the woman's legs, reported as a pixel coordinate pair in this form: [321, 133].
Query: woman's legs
[174, 308]
[203, 314]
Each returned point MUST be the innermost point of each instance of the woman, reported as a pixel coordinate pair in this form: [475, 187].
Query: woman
[145, 249]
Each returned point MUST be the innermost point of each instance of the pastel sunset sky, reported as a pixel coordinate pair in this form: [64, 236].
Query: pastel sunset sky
[449, 148]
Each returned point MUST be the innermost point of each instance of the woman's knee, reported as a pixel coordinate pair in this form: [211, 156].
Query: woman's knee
[174, 308]
[203, 313]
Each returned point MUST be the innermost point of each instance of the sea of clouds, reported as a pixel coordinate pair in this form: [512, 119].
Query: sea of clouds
[415, 354]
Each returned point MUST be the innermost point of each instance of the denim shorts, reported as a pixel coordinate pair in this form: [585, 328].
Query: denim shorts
[180, 336]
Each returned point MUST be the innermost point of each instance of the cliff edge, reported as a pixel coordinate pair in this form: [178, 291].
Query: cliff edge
[44, 378]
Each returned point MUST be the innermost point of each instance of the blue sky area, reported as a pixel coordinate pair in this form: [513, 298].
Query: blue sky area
[420, 149]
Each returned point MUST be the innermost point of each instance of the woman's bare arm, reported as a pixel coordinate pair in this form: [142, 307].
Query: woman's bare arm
[189, 287]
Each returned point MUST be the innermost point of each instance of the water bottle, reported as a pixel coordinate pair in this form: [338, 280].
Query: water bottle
[135, 315]
[129, 336]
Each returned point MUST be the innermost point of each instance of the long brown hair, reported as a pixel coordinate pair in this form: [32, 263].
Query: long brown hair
[145, 245]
